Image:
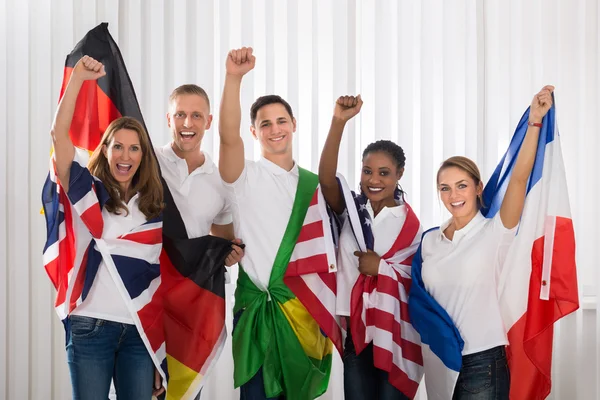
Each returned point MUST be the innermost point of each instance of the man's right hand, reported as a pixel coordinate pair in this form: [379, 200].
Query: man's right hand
[240, 62]
[88, 69]
[346, 107]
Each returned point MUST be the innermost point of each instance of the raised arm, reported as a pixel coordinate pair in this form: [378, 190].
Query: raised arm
[514, 199]
[231, 152]
[86, 69]
[346, 107]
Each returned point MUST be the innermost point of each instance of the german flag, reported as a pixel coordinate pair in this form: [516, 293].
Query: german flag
[182, 321]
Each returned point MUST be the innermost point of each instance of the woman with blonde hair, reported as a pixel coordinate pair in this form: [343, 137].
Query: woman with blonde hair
[460, 265]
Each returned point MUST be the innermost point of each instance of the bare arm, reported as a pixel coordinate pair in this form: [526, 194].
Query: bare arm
[514, 199]
[86, 69]
[231, 151]
[223, 231]
[346, 107]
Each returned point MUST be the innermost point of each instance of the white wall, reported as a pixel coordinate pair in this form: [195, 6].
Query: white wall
[440, 77]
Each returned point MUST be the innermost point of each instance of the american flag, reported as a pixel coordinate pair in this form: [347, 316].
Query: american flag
[379, 304]
[310, 274]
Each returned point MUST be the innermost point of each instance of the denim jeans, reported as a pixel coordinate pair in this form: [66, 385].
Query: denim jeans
[362, 380]
[98, 351]
[483, 376]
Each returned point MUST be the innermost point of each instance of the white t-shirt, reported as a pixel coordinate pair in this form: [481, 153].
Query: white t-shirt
[104, 300]
[462, 274]
[200, 196]
[261, 202]
[386, 228]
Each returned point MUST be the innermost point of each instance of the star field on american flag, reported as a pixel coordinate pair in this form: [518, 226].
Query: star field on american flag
[365, 218]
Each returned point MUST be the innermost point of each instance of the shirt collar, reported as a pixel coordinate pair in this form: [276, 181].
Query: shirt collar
[206, 168]
[458, 234]
[276, 169]
[397, 211]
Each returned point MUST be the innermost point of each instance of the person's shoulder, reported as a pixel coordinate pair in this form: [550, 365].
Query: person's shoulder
[429, 236]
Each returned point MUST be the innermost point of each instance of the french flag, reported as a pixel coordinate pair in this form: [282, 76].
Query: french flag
[538, 284]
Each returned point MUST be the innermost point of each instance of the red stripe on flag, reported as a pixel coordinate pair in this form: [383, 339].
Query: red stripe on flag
[317, 309]
[66, 251]
[192, 332]
[530, 338]
[94, 111]
[52, 269]
[383, 359]
[151, 315]
[92, 218]
[387, 285]
[329, 280]
[357, 325]
[79, 281]
[150, 236]
[315, 199]
[311, 231]
[386, 322]
[407, 234]
[308, 265]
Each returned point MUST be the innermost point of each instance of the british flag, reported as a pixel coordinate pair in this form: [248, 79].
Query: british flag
[75, 229]
[179, 305]
[379, 304]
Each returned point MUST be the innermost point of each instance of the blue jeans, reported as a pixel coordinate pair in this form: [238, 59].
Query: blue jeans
[484, 376]
[362, 380]
[99, 351]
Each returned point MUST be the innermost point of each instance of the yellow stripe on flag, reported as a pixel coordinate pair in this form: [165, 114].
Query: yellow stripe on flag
[181, 378]
[315, 344]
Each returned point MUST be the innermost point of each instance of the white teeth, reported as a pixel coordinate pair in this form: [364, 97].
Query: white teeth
[123, 167]
[187, 133]
[374, 189]
[277, 139]
[460, 203]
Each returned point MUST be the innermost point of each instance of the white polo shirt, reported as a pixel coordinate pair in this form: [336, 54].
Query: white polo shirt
[462, 275]
[200, 196]
[261, 203]
[386, 228]
[104, 301]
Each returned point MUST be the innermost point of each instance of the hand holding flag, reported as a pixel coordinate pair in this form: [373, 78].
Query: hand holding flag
[368, 262]
[541, 103]
[236, 254]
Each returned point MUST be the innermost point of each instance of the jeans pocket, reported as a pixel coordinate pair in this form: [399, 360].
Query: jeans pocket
[476, 379]
[85, 327]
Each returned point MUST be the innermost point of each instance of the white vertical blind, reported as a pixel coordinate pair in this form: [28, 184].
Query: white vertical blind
[438, 77]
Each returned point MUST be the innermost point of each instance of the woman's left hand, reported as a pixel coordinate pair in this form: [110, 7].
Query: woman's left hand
[368, 263]
[540, 104]
[157, 388]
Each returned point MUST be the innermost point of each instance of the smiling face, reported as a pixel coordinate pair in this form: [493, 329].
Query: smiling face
[459, 192]
[188, 118]
[274, 128]
[124, 154]
[379, 177]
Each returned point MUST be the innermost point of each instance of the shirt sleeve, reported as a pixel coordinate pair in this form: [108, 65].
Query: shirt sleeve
[505, 237]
